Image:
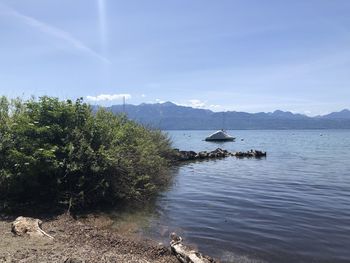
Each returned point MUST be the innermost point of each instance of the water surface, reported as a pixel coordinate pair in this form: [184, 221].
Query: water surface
[293, 206]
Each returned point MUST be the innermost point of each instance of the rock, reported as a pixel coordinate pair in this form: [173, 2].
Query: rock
[260, 154]
[250, 154]
[212, 155]
[217, 153]
[187, 155]
[203, 155]
[28, 226]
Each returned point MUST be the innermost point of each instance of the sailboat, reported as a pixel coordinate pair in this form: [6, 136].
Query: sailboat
[220, 135]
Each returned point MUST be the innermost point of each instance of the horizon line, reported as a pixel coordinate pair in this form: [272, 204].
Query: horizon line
[204, 108]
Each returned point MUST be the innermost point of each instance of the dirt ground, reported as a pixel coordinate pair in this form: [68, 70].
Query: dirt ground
[80, 240]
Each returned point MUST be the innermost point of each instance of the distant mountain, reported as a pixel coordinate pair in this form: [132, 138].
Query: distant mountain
[169, 116]
[286, 115]
[344, 114]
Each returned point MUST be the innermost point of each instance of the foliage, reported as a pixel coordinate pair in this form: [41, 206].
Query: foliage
[56, 152]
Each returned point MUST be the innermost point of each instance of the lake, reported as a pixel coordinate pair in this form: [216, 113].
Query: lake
[292, 206]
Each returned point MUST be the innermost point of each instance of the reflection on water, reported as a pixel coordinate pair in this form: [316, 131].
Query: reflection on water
[293, 206]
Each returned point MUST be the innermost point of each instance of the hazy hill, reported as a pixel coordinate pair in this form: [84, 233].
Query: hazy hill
[170, 116]
[344, 114]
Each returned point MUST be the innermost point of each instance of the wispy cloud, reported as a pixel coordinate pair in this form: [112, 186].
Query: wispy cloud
[195, 103]
[51, 31]
[215, 107]
[108, 97]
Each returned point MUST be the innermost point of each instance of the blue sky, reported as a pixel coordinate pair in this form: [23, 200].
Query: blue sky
[247, 55]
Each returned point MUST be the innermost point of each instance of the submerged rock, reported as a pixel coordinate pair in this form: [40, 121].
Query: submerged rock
[250, 154]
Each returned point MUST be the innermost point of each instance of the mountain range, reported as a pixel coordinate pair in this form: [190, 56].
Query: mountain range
[169, 116]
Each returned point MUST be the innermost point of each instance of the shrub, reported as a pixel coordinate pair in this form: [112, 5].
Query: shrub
[59, 152]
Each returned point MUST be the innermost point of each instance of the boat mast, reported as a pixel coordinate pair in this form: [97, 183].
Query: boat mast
[223, 121]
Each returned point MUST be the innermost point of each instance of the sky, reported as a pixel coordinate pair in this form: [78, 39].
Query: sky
[241, 55]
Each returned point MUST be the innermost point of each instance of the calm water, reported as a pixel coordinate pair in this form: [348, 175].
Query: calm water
[293, 206]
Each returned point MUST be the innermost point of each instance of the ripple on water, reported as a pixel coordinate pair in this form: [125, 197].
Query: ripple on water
[293, 206]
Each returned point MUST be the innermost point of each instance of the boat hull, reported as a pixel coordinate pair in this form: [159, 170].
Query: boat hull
[220, 140]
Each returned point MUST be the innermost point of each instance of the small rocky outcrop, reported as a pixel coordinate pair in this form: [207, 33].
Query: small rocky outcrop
[185, 155]
[185, 254]
[218, 153]
[250, 154]
[27, 226]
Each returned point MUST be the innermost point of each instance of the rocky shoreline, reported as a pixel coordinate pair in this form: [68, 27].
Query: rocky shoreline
[91, 238]
[216, 154]
[79, 241]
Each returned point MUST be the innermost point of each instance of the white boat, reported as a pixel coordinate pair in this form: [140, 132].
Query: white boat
[220, 135]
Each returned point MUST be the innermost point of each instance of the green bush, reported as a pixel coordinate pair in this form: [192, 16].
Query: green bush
[59, 152]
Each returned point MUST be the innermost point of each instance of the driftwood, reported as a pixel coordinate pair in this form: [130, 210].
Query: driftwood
[28, 226]
[185, 254]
